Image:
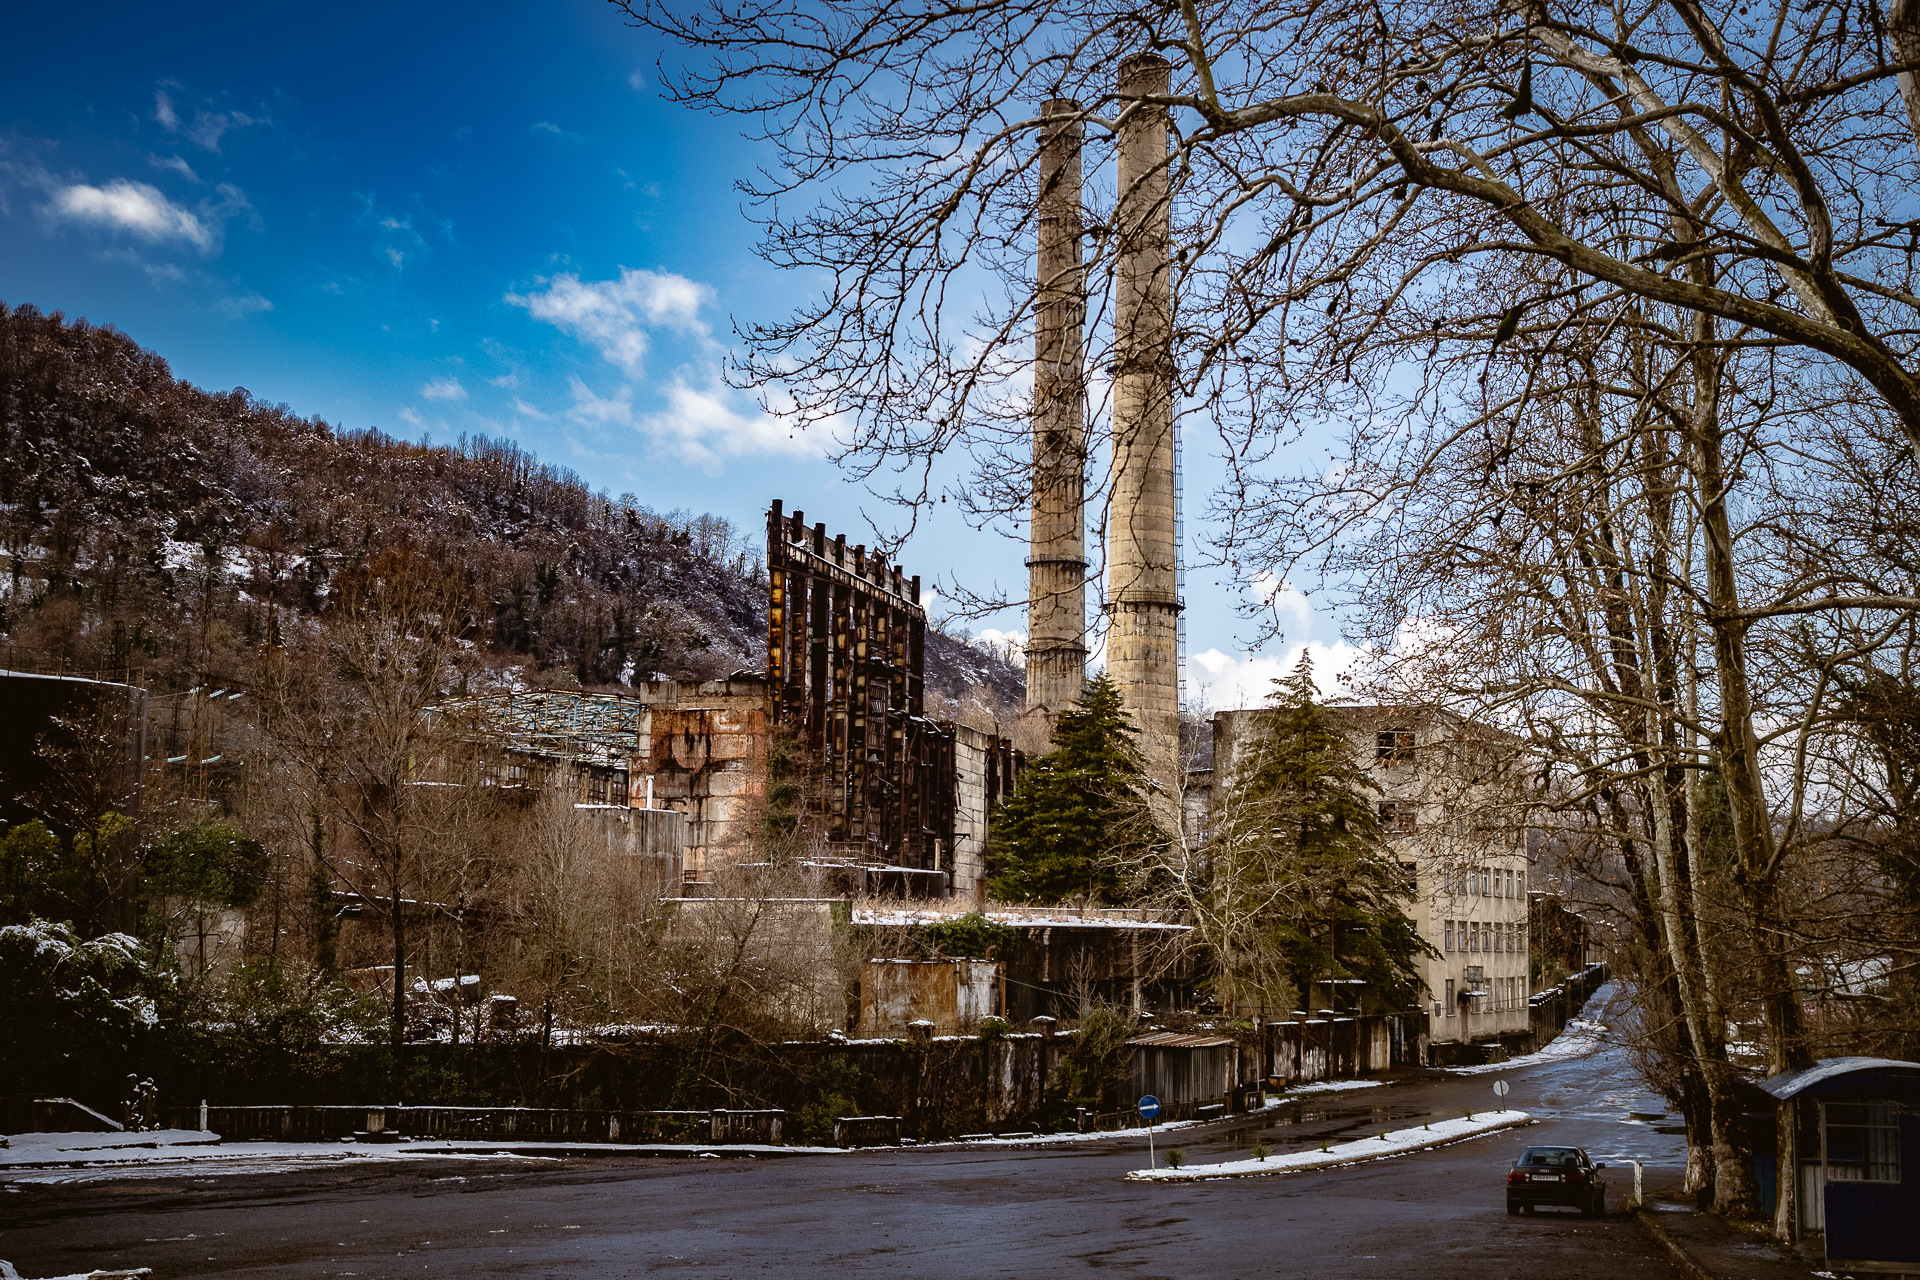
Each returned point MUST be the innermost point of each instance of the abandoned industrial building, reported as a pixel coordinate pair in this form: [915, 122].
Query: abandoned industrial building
[1459, 829]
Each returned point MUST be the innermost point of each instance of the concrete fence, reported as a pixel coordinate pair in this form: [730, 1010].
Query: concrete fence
[490, 1124]
[866, 1131]
[923, 1086]
[1301, 1052]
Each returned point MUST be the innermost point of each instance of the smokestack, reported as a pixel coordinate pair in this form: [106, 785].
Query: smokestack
[1143, 603]
[1057, 552]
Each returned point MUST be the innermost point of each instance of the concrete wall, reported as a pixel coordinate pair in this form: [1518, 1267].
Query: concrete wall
[970, 747]
[953, 995]
[654, 841]
[705, 748]
[1301, 1052]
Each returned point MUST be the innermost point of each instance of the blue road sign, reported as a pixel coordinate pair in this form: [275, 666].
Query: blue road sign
[1149, 1107]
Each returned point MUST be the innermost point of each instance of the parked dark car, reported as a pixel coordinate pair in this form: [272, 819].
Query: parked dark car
[1556, 1175]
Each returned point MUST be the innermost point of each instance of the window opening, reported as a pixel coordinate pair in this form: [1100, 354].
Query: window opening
[1394, 748]
[1862, 1141]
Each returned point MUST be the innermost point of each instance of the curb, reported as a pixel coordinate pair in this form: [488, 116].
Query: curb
[1676, 1253]
[1343, 1162]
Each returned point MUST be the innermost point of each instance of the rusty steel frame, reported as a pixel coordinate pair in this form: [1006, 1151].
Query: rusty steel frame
[846, 661]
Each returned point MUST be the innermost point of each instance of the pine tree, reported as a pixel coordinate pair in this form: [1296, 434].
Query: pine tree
[1302, 883]
[1076, 811]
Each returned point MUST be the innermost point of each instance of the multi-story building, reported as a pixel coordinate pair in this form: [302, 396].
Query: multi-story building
[1458, 825]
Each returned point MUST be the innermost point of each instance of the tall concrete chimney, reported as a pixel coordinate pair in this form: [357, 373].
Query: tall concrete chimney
[1143, 603]
[1057, 553]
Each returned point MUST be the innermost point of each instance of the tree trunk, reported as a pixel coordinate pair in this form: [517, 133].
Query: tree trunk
[399, 973]
[1903, 32]
[1739, 749]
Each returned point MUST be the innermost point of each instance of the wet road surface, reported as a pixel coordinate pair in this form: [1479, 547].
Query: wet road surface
[958, 1213]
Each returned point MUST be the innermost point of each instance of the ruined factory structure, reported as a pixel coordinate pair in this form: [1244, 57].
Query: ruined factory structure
[679, 772]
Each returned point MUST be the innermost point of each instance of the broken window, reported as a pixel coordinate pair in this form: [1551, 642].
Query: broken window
[1394, 749]
[1396, 815]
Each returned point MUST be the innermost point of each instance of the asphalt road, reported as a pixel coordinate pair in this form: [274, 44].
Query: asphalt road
[957, 1213]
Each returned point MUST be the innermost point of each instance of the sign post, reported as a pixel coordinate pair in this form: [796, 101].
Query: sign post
[1500, 1091]
[1149, 1109]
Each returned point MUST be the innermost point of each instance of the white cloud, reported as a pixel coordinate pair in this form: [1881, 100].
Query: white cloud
[1011, 645]
[207, 127]
[614, 316]
[638, 78]
[174, 164]
[506, 381]
[136, 208]
[245, 305]
[411, 415]
[526, 410]
[1230, 681]
[703, 426]
[394, 237]
[1282, 597]
[443, 389]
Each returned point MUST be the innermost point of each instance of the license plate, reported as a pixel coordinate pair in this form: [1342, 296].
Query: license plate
[1543, 1177]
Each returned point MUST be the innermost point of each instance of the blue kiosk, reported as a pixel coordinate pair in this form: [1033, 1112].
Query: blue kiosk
[1868, 1177]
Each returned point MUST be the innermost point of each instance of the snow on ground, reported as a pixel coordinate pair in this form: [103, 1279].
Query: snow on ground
[8, 1273]
[1294, 1094]
[1577, 1040]
[58, 1158]
[1329, 1086]
[1394, 1143]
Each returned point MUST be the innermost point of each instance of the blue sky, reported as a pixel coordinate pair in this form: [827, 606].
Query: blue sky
[479, 218]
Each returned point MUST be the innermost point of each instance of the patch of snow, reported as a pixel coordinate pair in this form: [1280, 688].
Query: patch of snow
[59, 1167]
[1394, 1143]
[1329, 1086]
[1577, 1040]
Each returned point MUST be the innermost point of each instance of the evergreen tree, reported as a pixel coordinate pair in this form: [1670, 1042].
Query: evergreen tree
[1302, 886]
[1076, 810]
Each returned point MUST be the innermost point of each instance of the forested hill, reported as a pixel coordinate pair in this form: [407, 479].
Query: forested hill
[151, 525]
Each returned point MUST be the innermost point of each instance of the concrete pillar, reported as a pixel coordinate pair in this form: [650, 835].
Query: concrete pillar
[1143, 638]
[1057, 553]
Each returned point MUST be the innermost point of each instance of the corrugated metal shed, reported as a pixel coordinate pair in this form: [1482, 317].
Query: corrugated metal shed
[1178, 1040]
[1185, 1070]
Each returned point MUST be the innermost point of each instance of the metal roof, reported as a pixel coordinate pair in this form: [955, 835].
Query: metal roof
[1845, 1075]
[1179, 1040]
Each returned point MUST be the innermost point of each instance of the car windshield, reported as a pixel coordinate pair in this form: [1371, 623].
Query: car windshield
[1551, 1157]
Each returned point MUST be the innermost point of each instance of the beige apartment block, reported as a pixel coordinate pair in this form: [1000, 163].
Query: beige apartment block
[1449, 800]
[1457, 822]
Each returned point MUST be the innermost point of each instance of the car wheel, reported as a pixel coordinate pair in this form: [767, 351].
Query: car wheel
[1528, 1208]
[1589, 1209]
